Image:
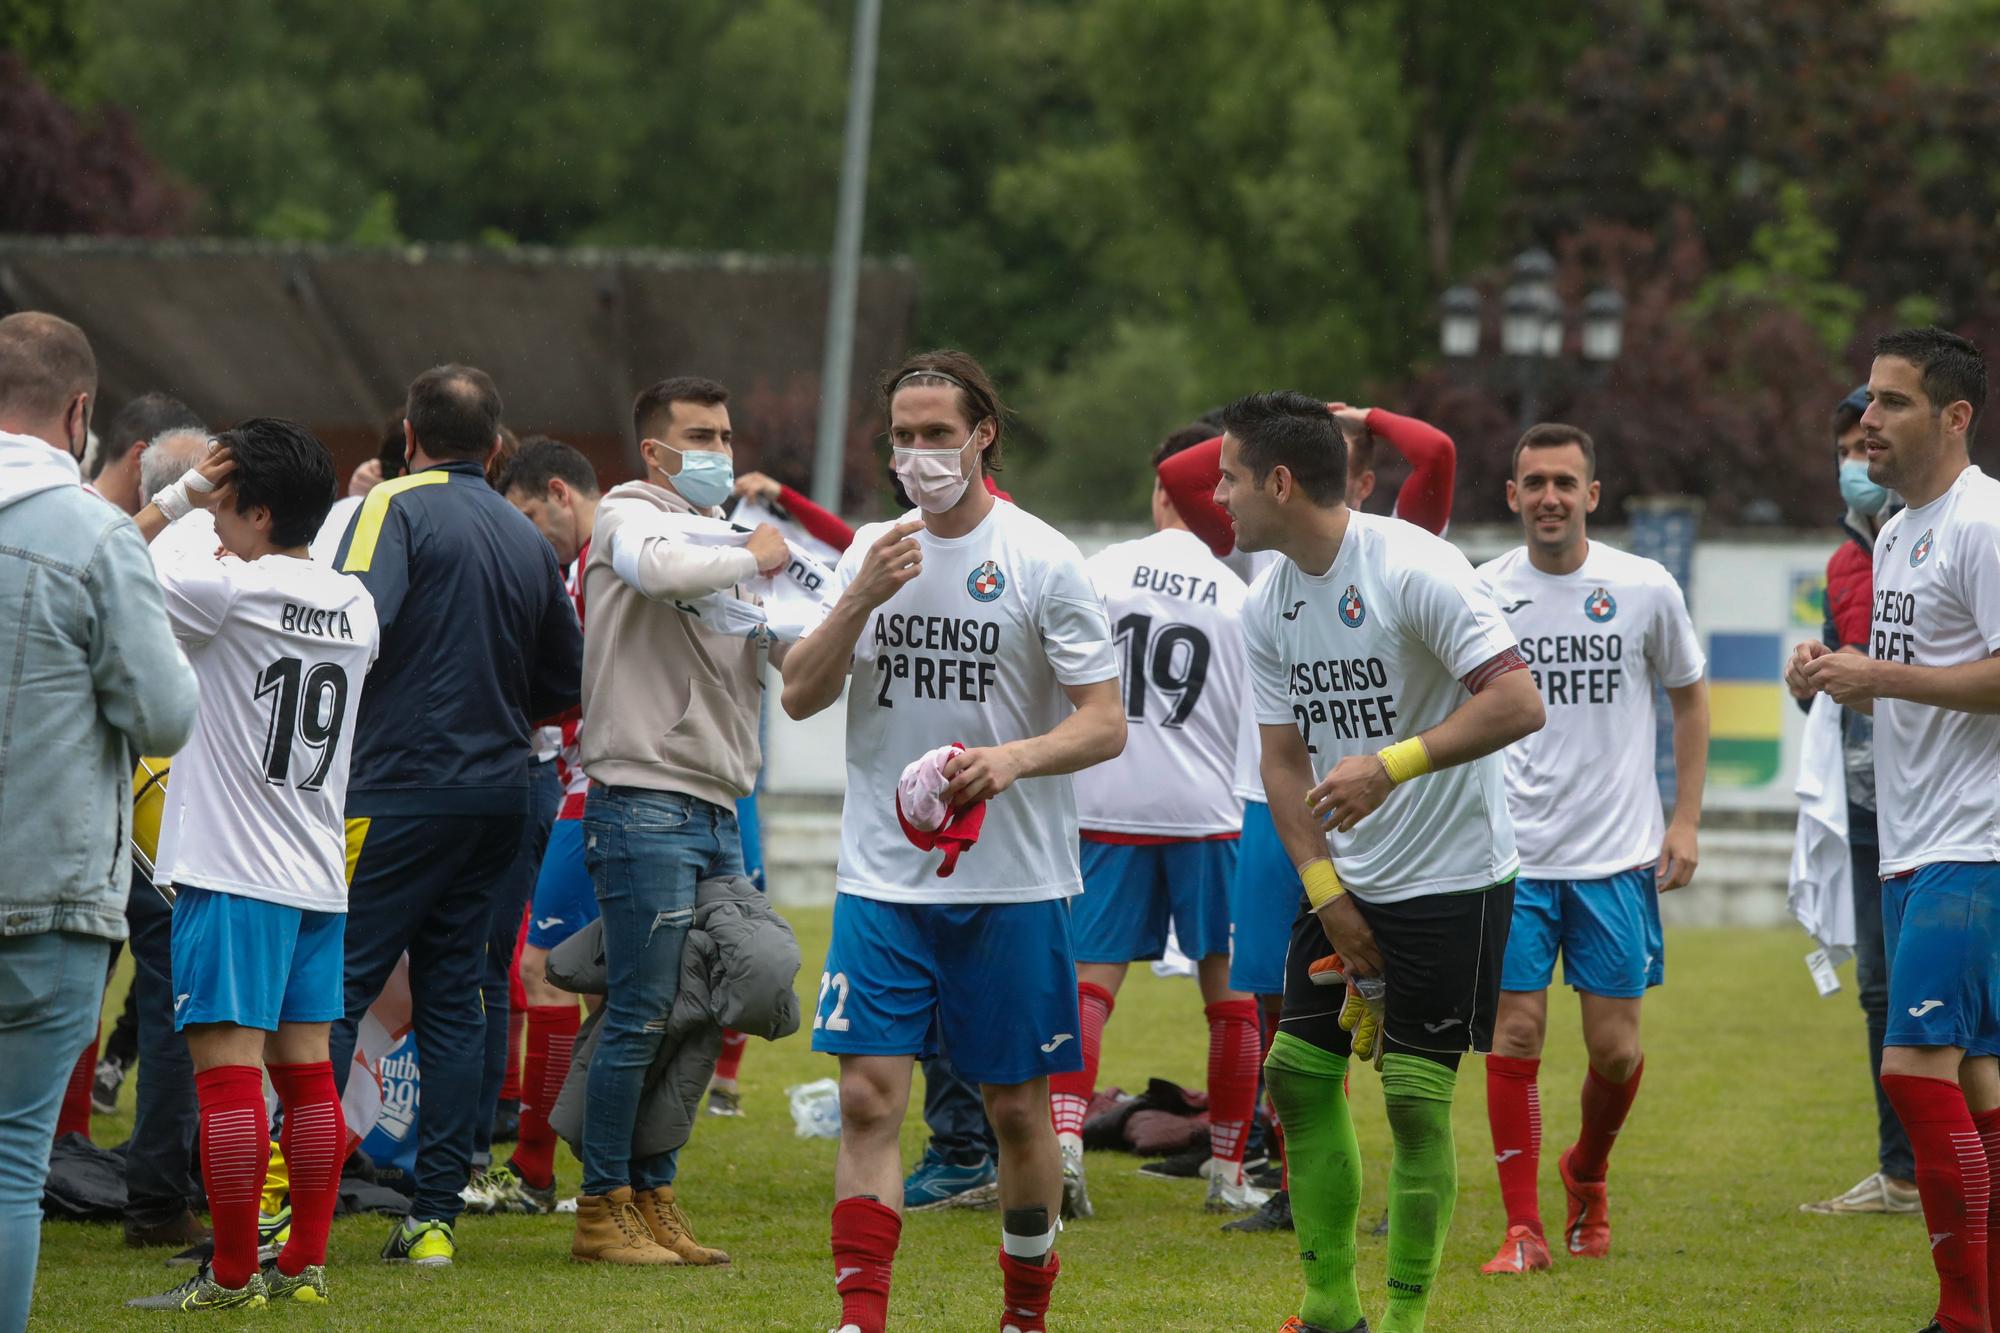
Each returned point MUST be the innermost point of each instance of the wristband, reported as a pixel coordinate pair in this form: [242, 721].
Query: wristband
[173, 501]
[1405, 760]
[1322, 883]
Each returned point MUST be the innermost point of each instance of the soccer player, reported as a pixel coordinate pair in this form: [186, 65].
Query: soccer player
[966, 621]
[478, 640]
[1159, 824]
[556, 487]
[1850, 601]
[1597, 627]
[1932, 679]
[1385, 682]
[253, 841]
[1264, 895]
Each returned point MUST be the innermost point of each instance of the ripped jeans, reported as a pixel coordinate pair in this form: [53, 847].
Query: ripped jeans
[646, 851]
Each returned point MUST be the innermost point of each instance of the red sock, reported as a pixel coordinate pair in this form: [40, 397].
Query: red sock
[1988, 1125]
[510, 1082]
[865, 1232]
[517, 1006]
[1026, 1289]
[1070, 1094]
[731, 1060]
[1232, 1076]
[315, 1142]
[551, 1037]
[74, 1118]
[1605, 1105]
[1953, 1181]
[235, 1150]
[1514, 1112]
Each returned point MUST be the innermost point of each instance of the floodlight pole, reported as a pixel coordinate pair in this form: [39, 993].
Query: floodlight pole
[837, 364]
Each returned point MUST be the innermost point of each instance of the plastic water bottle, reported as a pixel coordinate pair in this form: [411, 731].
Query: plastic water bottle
[816, 1109]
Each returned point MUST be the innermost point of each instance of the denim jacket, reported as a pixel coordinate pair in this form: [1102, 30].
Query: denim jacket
[90, 678]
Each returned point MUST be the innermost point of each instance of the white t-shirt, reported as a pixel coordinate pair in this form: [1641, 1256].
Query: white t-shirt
[976, 649]
[1249, 784]
[326, 545]
[1582, 790]
[281, 648]
[1373, 652]
[1937, 604]
[1176, 616]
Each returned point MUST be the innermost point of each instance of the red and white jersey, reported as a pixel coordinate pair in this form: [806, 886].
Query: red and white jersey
[1582, 790]
[1937, 604]
[256, 807]
[569, 755]
[976, 649]
[1176, 616]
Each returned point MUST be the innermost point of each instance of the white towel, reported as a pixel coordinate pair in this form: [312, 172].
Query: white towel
[1821, 892]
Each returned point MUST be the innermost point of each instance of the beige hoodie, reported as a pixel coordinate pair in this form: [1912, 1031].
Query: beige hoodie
[668, 704]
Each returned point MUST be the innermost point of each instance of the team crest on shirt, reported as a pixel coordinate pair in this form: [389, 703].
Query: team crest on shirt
[986, 582]
[1352, 612]
[1600, 606]
[1922, 550]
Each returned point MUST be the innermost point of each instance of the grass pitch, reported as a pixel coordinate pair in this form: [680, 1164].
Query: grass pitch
[1755, 1099]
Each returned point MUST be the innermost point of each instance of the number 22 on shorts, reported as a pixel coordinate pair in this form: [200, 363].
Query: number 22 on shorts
[837, 1020]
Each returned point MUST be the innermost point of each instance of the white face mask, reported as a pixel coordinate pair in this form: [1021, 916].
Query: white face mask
[935, 478]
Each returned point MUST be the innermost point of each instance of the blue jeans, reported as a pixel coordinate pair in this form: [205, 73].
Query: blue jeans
[426, 884]
[646, 851]
[956, 1115]
[51, 986]
[159, 1167]
[1871, 980]
[544, 799]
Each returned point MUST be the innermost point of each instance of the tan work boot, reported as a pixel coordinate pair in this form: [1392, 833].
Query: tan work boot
[610, 1230]
[670, 1228]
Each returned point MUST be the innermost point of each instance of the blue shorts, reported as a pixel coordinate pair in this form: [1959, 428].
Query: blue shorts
[1941, 933]
[991, 984]
[565, 900]
[1607, 930]
[252, 963]
[1130, 892]
[1264, 900]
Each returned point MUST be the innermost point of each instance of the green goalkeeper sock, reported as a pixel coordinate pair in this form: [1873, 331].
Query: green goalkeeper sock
[1423, 1182]
[1308, 1086]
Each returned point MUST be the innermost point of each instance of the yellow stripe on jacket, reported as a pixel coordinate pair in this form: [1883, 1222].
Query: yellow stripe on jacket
[375, 509]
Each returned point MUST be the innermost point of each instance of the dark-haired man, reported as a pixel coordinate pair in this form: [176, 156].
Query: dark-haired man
[478, 637]
[1385, 683]
[966, 622]
[253, 843]
[121, 449]
[1598, 628]
[1159, 823]
[1850, 601]
[556, 487]
[669, 741]
[1932, 680]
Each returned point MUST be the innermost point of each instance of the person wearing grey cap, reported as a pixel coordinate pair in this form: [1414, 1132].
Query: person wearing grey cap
[1850, 586]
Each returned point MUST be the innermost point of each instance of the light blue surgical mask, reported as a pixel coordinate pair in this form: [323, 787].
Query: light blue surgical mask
[706, 478]
[1862, 495]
